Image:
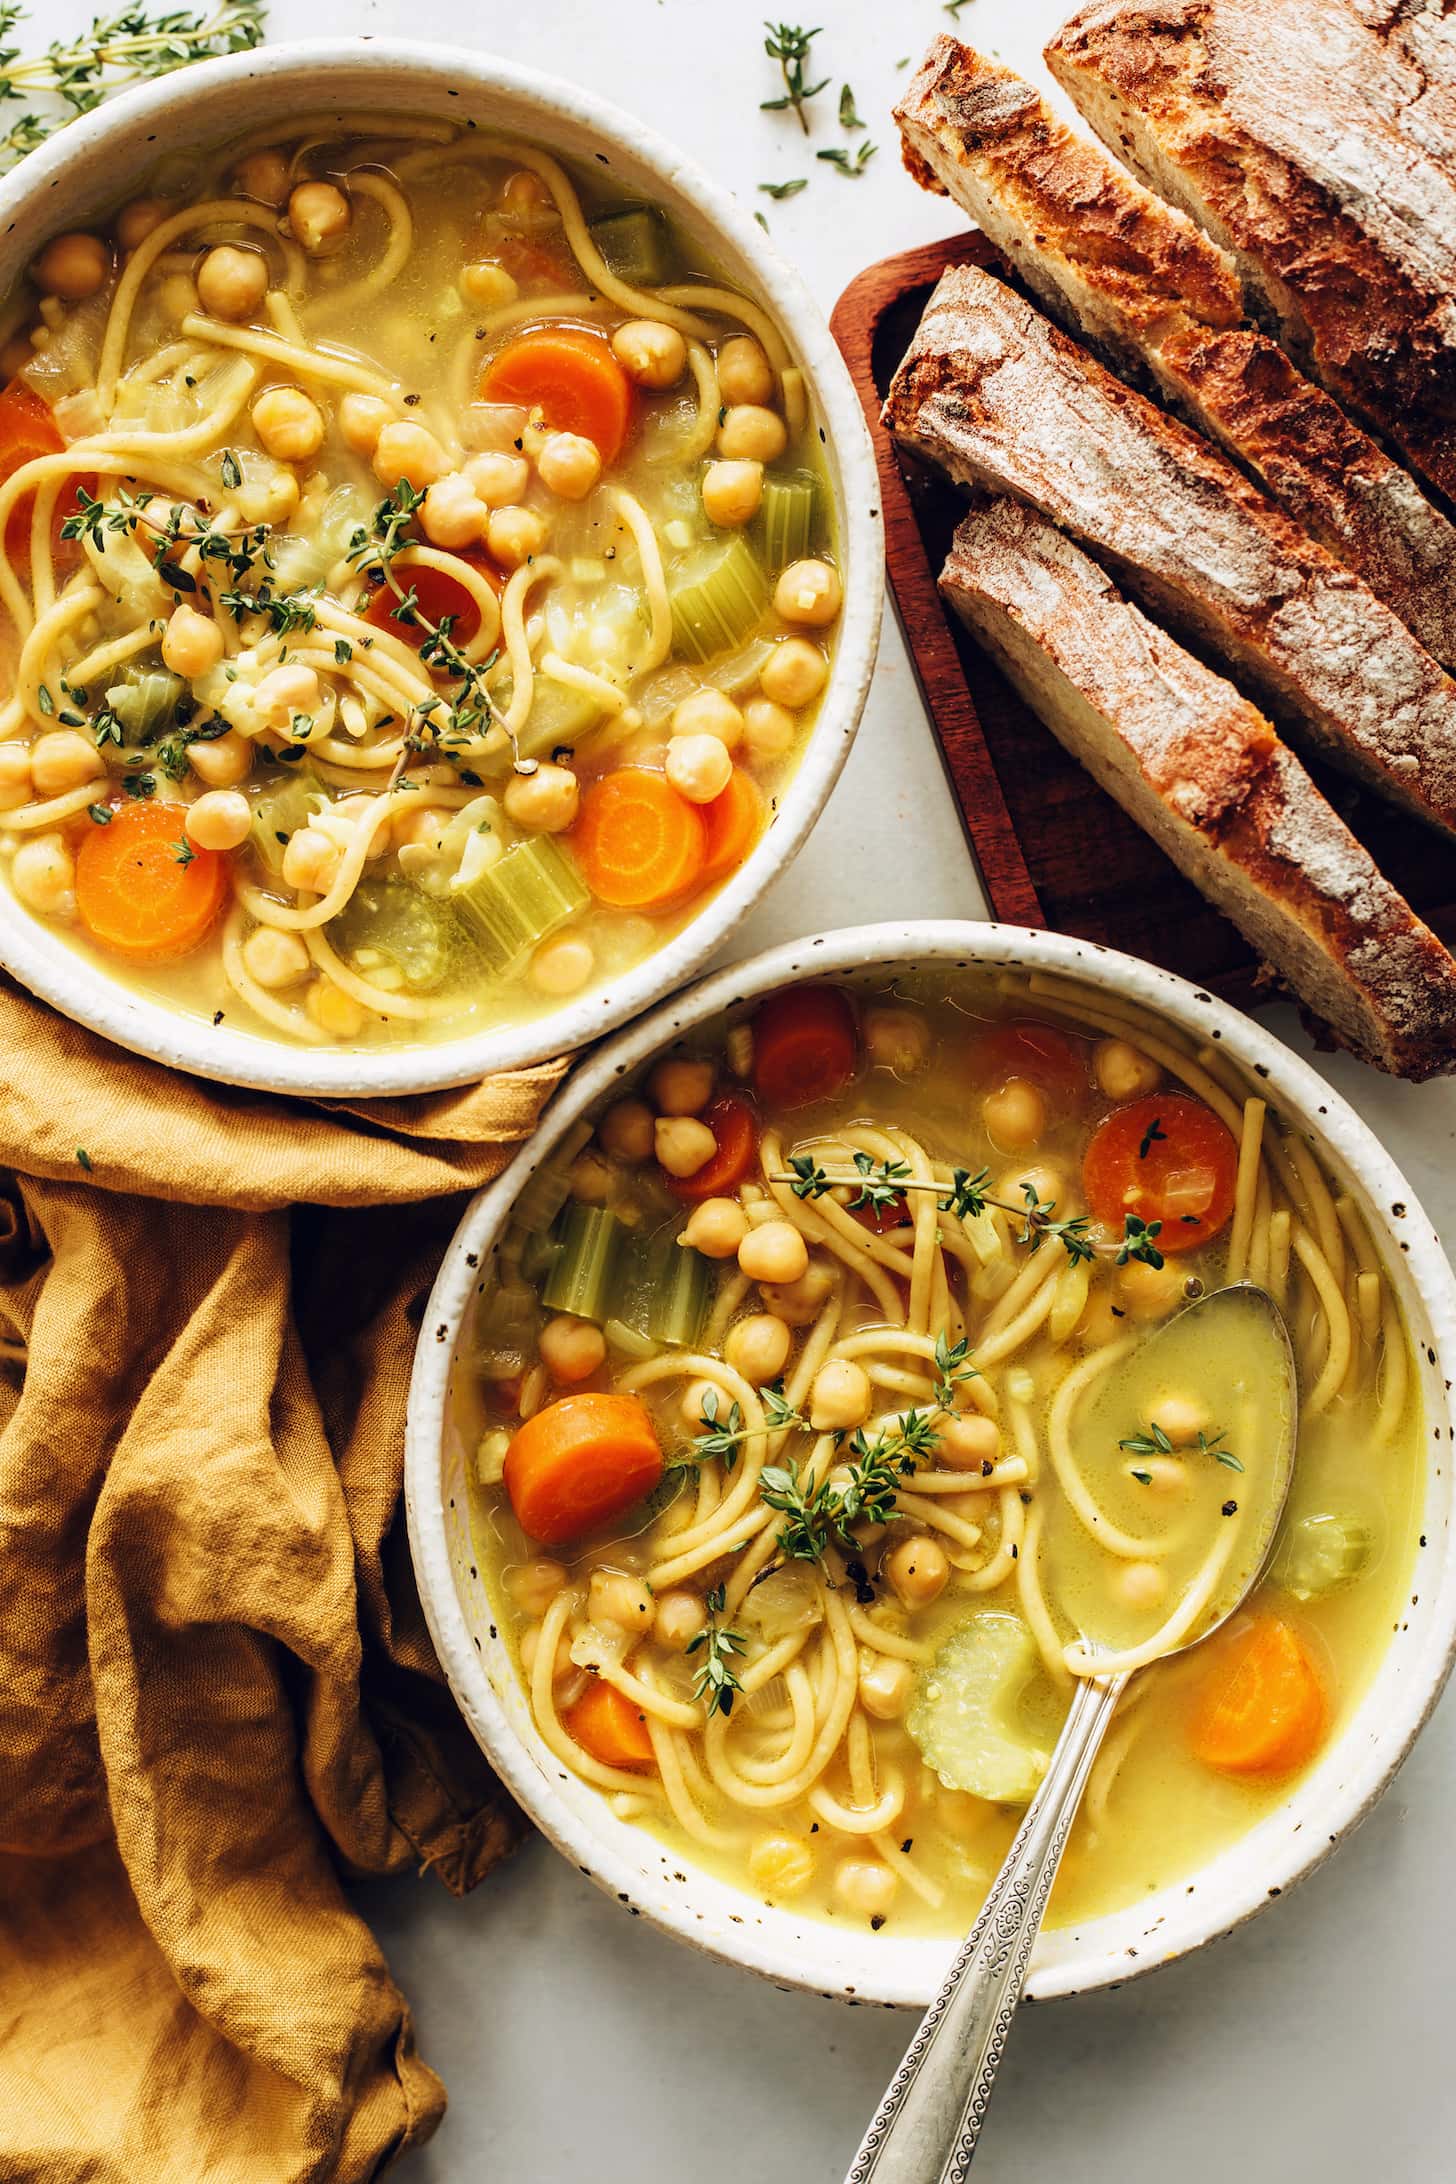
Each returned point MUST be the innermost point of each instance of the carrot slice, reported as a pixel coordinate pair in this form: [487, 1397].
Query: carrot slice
[1038, 1053]
[572, 377]
[604, 1722]
[438, 594]
[805, 1047]
[639, 843]
[28, 429]
[734, 821]
[1166, 1158]
[735, 1134]
[142, 891]
[1262, 1707]
[578, 1462]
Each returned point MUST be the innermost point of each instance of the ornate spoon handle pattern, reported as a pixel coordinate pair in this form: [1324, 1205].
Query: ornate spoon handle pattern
[927, 2126]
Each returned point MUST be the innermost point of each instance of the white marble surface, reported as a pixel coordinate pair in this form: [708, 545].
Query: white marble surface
[576, 2043]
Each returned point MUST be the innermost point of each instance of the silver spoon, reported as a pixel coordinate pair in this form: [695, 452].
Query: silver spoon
[927, 2127]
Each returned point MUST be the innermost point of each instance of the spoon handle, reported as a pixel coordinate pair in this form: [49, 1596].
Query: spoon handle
[928, 2124]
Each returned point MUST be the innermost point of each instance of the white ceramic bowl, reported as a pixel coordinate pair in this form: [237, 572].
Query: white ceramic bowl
[802, 1952]
[94, 162]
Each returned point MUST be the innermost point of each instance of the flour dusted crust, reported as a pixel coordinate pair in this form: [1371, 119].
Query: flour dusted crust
[1001, 400]
[1151, 289]
[1302, 141]
[1204, 773]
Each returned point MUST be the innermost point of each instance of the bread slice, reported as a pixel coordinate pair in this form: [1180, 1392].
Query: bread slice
[1251, 116]
[1153, 292]
[1000, 399]
[1204, 773]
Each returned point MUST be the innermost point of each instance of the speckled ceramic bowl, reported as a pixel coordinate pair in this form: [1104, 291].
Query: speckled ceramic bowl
[802, 1952]
[98, 158]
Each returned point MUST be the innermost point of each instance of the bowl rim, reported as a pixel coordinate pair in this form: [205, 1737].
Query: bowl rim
[348, 67]
[907, 1972]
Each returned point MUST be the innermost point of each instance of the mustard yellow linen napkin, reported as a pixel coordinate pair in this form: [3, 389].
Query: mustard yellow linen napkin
[216, 1688]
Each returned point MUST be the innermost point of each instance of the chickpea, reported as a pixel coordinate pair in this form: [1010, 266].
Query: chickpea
[698, 767]
[758, 1347]
[773, 1252]
[1182, 1419]
[1015, 1116]
[571, 1349]
[568, 465]
[625, 1131]
[885, 1685]
[43, 875]
[514, 535]
[276, 959]
[524, 192]
[682, 1144]
[897, 1039]
[73, 267]
[563, 964]
[333, 1010]
[865, 1886]
[223, 761]
[422, 829]
[656, 356]
[1045, 1178]
[498, 478]
[263, 175]
[716, 1228]
[177, 295]
[614, 1597]
[680, 1616]
[770, 730]
[318, 214]
[1123, 1071]
[544, 802]
[795, 673]
[273, 501]
[487, 284]
[16, 785]
[563, 1665]
[702, 1402]
[62, 759]
[709, 713]
[453, 514]
[221, 819]
[681, 1086]
[135, 222]
[232, 282]
[744, 372]
[968, 1440]
[362, 418]
[591, 1179]
[801, 1301]
[311, 861]
[1100, 1322]
[780, 1865]
[534, 1585]
[356, 811]
[1166, 1474]
[917, 1569]
[290, 425]
[840, 1396]
[1140, 1585]
[1149, 1292]
[404, 450]
[810, 593]
[751, 433]
[285, 691]
[731, 493]
[191, 643]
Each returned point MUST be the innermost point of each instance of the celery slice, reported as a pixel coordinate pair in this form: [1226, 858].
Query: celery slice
[965, 1717]
[786, 527]
[1320, 1553]
[543, 1197]
[506, 1321]
[558, 718]
[144, 702]
[288, 804]
[582, 1280]
[637, 244]
[628, 1342]
[521, 898]
[667, 1290]
[389, 918]
[716, 597]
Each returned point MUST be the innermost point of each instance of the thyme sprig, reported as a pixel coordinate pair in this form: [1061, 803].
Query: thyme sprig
[716, 1684]
[724, 1435]
[823, 1513]
[1154, 1441]
[127, 47]
[789, 45]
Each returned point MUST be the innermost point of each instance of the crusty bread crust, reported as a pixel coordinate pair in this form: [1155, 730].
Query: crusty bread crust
[1154, 293]
[1001, 400]
[1199, 768]
[1271, 122]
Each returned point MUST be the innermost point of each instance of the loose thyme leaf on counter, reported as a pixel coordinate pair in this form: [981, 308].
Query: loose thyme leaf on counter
[781, 190]
[850, 163]
[789, 45]
[848, 118]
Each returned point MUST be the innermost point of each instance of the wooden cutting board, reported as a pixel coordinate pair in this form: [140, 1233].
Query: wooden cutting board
[1051, 847]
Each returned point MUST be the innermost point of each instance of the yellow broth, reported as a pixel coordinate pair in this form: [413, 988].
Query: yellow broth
[874, 1835]
[367, 602]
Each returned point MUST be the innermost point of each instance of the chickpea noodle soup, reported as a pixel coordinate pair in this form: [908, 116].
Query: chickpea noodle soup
[834, 1413]
[418, 574]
